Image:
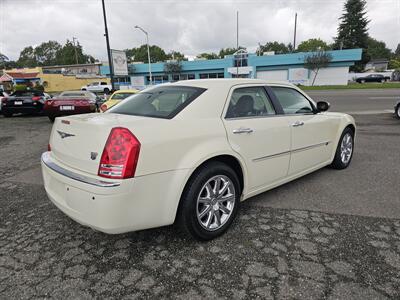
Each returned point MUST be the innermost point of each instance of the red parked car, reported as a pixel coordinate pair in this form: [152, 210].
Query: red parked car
[71, 103]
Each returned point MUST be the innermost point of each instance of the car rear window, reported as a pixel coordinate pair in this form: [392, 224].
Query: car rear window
[68, 94]
[158, 102]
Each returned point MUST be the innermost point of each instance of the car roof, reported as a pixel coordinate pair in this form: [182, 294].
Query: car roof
[227, 82]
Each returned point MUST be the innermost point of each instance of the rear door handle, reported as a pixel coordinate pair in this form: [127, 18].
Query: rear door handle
[242, 130]
[298, 123]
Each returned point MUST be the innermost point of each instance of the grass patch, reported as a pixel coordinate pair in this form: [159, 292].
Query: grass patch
[354, 86]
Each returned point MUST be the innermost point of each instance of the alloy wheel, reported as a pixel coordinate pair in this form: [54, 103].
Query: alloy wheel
[346, 148]
[215, 202]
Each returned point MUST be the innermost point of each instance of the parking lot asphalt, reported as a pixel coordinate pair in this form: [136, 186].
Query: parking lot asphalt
[332, 234]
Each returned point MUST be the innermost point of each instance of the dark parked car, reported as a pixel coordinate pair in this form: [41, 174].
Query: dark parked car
[26, 102]
[397, 110]
[373, 78]
[3, 95]
[71, 103]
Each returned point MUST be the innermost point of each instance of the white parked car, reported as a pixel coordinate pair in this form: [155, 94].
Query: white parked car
[97, 87]
[189, 152]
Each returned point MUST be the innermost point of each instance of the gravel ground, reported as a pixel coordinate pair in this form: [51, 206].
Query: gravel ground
[273, 250]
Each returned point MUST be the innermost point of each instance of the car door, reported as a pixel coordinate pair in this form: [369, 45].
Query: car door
[312, 133]
[257, 133]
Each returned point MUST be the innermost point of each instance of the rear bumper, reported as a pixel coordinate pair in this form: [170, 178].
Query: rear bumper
[22, 109]
[56, 112]
[113, 206]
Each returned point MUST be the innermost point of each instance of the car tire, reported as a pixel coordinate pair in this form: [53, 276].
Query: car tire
[362, 81]
[7, 114]
[106, 91]
[52, 119]
[83, 89]
[204, 213]
[397, 111]
[344, 151]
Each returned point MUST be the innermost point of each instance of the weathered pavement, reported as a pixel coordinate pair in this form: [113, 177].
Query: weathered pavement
[268, 253]
[329, 235]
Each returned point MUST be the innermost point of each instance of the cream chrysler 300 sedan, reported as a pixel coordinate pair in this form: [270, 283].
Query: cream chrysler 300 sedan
[189, 153]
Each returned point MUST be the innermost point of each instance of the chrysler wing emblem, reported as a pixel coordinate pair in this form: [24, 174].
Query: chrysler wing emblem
[64, 134]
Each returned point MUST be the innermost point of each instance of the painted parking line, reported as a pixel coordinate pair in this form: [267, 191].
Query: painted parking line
[370, 112]
[384, 97]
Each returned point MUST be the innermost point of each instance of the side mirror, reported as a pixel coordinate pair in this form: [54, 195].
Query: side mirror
[323, 106]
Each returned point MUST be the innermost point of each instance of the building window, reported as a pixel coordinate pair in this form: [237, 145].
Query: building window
[158, 78]
[211, 75]
[177, 77]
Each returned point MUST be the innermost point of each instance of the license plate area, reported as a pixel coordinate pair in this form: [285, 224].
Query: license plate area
[17, 102]
[67, 107]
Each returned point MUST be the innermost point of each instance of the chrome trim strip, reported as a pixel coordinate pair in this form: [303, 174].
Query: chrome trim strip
[72, 175]
[311, 147]
[292, 151]
[271, 156]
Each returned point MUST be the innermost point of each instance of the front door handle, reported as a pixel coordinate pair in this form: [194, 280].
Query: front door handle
[242, 130]
[298, 123]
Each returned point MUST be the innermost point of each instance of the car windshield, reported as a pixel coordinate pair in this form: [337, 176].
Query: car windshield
[121, 96]
[158, 102]
[26, 93]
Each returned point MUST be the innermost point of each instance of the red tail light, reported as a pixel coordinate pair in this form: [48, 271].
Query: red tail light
[37, 98]
[3, 99]
[120, 154]
[103, 107]
[48, 147]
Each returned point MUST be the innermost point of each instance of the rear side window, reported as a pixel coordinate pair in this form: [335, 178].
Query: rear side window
[292, 101]
[249, 102]
[158, 102]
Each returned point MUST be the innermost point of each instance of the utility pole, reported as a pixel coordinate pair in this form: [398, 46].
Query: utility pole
[108, 47]
[295, 32]
[76, 53]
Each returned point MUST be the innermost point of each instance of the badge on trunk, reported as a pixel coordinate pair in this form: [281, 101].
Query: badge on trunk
[64, 134]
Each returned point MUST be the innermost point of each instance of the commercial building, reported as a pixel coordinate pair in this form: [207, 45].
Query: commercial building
[281, 67]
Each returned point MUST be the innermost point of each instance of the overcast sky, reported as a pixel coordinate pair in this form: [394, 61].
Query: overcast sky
[187, 26]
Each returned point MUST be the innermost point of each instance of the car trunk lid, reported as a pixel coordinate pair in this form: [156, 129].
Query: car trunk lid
[78, 141]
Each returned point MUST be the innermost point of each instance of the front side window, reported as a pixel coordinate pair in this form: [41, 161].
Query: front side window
[249, 102]
[292, 101]
[158, 102]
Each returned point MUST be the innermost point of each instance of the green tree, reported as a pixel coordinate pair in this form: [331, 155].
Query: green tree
[27, 57]
[66, 55]
[229, 51]
[278, 48]
[139, 54]
[353, 31]
[211, 55]
[378, 49]
[173, 67]
[46, 53]
[397, 51]
[175, 55]
[394, 64]
[316, 61]
[312, 45]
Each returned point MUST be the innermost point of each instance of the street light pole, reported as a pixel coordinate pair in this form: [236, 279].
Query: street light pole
[76, 53]
[148, 51]
[108, 47]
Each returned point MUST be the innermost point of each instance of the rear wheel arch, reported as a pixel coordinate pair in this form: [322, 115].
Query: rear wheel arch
[228, 159]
